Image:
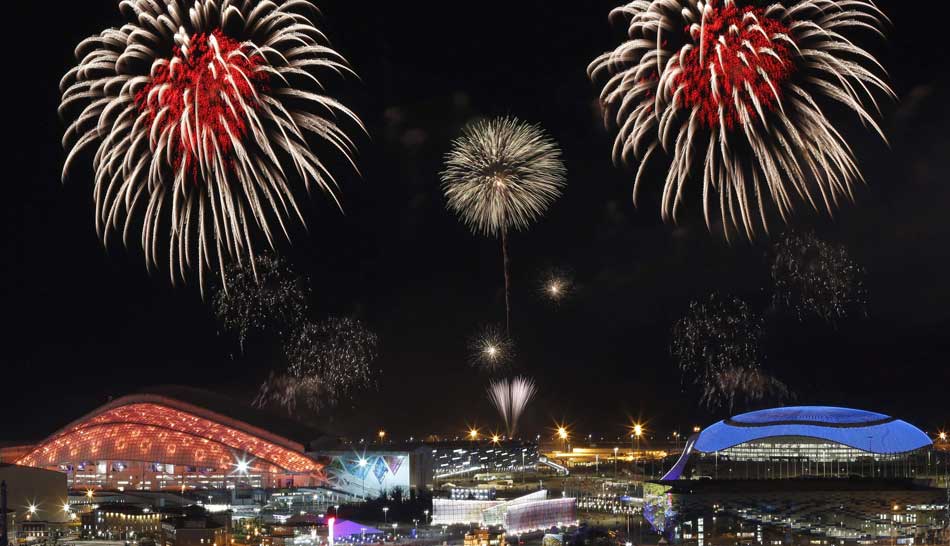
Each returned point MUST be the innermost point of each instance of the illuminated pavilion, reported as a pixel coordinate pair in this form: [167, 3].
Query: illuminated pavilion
[168, 440]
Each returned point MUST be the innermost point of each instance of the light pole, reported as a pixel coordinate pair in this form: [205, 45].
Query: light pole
[616, 449]
[363, 473]
[426, 512]
[522, 465]
[385, 514]
[637, 432]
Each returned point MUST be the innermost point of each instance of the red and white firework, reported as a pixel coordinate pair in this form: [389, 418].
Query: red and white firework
[736, 89]
[200, 113]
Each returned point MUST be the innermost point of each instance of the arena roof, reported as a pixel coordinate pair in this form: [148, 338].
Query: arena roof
[162, 426]
[865, 430]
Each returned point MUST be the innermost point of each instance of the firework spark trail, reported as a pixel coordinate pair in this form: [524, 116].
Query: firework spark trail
[729, 385]
[815, 277]
[523, 390]
[199, 113]
[501, 175]
[717, 347]
[510, 398]
[499, 392]
[286, 391]
[491, 351]
[274, 300]
[732, 88]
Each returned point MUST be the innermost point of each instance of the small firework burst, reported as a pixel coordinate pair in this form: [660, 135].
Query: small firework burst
[557, 285]
[202, 113]
[812, 277]
[510, 397]
[731, 89]
[501, 175]
[717, 347]
[266, 297]
[492, 350]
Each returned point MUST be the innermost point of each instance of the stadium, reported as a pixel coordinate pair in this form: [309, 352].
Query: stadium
[805, 442]
[170, 439]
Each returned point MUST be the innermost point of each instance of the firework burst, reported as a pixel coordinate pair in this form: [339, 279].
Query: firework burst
[200, 112]
[492, 350]
[501, 175]
[717, 347]
[556, 286]
[510, 397]
[815, 277]
[272, 300]
[338, 353]
[731, 88]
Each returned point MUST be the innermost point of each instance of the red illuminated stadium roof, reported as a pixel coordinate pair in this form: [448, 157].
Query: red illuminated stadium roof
[156, 428]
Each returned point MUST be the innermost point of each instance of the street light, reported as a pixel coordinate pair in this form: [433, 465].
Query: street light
[563, 435]
[616, 449]
[426, 512]
[382, 436]
[473, 434]
[637, 432]
[385, 514]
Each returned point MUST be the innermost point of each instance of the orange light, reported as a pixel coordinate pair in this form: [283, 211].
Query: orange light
[164, 434]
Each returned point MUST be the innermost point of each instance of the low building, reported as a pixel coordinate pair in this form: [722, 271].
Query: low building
[482, 537]
[37, 501]
[368, 473]
[195, 527]
[118, 521]
[472, 457]
[532, 512]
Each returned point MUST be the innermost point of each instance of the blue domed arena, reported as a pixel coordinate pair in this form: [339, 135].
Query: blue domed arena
[805, 442]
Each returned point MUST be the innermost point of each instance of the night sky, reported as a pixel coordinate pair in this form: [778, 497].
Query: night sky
[84, 323]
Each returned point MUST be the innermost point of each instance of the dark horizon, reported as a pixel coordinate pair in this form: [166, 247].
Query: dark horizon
[85, 324]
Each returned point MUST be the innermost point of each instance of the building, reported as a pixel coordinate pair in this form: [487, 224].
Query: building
[806, 442]
[119, 521]
[37, 502]
[178, 438]
[460, 458]
[481, 537]
[532, 512]
[195, 527]
[368, 473]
